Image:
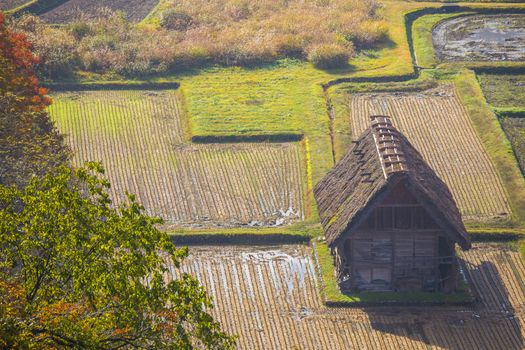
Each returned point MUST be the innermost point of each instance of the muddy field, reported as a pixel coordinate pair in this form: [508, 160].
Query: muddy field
[72, 10]
[269, 297]
[139, 137]
[481, 38]
[439, 127]
[11, 4]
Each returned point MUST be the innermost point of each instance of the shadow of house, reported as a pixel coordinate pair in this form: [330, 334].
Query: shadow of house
[491, 323]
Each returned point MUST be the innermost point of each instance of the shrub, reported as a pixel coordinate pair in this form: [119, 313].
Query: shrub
[330, 56]
[194, 33]
[289, 46]
[174, 20]
[79, 30]
[367, 34]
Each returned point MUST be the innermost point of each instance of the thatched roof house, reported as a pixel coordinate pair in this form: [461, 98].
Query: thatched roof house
[388, 218]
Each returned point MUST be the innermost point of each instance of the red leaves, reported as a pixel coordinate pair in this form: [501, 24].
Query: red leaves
[16, 68]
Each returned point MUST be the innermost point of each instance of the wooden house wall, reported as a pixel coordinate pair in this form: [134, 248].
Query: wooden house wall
[396, 247]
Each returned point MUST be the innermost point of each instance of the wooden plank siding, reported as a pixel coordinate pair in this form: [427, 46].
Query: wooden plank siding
[404, 253]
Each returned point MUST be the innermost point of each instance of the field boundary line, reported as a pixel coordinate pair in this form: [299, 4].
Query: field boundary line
[64, 87]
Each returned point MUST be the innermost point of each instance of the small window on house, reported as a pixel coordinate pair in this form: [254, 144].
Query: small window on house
[403, 217]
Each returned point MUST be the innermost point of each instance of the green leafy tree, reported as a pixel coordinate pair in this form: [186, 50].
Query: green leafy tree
[77, 272]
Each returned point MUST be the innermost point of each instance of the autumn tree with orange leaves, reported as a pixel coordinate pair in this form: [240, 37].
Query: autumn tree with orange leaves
[29, 143]
[76, 271]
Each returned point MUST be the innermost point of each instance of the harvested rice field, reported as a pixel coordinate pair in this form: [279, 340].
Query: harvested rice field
[481, 38]
[269, 296]
[72, 10]
[139, 138]
[503, 90]
[515, 130]
[438, 126]
[11, 4]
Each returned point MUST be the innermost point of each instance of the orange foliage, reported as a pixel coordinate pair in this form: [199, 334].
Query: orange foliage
[17, 68]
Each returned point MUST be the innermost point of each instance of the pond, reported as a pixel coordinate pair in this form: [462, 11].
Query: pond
[480, 38]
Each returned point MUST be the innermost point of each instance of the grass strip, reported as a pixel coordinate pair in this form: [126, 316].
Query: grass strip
[296, 233]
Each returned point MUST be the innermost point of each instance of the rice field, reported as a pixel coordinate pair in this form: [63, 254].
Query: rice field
[515, 130]
[11, 4]
[73, 10]
[139, 136]
[480, 38]
[269, 296]
[503, 90]
[437, 124]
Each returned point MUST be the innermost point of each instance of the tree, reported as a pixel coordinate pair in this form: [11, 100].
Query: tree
[77, 272]
[17, 75]
[29, 142]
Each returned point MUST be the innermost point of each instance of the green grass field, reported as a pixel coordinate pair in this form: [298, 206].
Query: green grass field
[279, 100]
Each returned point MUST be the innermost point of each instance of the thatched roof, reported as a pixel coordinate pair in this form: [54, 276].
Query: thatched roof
[377, 161]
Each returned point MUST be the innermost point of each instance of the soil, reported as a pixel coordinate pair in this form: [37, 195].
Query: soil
[481, 38]
[73, 10]
[270, 296]
[11, 4]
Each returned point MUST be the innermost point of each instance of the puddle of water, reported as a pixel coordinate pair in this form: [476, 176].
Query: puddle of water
[287, 267]
[481, 38]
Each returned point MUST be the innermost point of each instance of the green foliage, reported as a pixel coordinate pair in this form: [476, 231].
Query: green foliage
[330, 56]
[83, 274]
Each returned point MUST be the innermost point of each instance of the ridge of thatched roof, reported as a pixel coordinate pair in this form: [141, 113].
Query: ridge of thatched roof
[379, 159]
